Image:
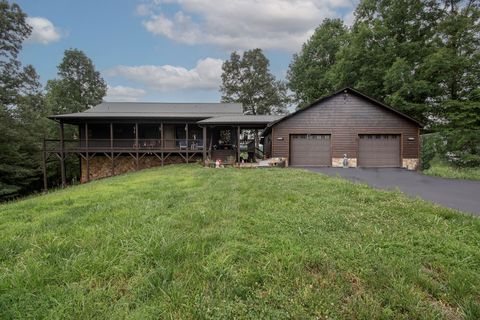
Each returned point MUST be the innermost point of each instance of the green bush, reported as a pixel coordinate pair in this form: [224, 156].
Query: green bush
[432, 145]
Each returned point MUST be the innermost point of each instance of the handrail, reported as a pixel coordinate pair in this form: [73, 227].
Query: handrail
[124, 144]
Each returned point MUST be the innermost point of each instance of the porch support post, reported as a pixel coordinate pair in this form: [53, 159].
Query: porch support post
[186, 130]
[238, 144]
[204, 139]
[62, 155]
[111, 149]
[87, 158]
[162, 144]
[44, 165]
[136, 144]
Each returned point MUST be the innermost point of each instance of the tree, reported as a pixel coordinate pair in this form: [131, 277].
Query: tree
[247, 80]
[21, 106]
[79, 86]
[309, 75]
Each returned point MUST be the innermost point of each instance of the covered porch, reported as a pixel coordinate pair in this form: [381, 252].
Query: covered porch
[229, 139]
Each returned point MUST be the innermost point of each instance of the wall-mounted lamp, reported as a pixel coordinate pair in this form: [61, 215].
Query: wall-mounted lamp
[411, 139]
[280, 138]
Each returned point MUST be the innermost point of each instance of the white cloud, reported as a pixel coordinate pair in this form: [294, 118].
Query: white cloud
[43, 31]
[269, 24]
[121, 93]
[205, 76]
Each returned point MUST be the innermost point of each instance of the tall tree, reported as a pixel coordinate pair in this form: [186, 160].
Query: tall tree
[247, 80]
[21, 106]
[455, 68]
[309, 75]
[78, 87]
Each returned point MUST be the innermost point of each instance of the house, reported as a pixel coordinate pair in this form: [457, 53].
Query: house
[116, 137]
[346, 124]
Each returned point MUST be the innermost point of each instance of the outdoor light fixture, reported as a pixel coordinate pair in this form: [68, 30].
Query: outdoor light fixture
[280, 138]
[411, 139]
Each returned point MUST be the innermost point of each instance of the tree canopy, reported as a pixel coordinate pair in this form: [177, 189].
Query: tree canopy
[420, 57]
[247, 79]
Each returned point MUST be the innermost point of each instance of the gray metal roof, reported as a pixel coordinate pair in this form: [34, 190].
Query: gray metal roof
[155, 110]
[242, 119]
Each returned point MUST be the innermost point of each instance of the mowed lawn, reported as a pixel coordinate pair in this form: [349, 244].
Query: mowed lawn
[186, 242]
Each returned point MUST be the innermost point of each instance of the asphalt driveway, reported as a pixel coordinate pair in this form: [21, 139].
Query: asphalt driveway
[463, 195]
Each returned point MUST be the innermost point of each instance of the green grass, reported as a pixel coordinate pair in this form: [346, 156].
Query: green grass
[442, 169]
[185, 242]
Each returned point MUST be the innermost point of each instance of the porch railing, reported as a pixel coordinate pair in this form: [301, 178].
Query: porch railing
[98, 145]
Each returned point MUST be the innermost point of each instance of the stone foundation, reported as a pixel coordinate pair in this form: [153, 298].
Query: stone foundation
[338, 162]
[101, 166]
[410, 164]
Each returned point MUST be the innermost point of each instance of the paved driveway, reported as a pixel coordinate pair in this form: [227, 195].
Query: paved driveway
[463, 195]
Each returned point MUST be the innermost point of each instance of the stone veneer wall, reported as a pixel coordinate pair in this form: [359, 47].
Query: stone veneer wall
[101, 166]
[338, 162]
[410, 164]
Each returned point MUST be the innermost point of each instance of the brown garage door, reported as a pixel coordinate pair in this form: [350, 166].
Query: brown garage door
[379, 150]
[310, 150]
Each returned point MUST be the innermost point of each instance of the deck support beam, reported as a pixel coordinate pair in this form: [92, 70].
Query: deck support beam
[238, 144]
[44, 165]
[111, 149]
[186, 140]
[204, 141]
[161, 142]
[62, 155]
[136, 145]
[87, 156]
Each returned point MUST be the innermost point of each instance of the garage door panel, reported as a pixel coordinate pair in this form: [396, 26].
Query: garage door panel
[376, 150]
[310, 150]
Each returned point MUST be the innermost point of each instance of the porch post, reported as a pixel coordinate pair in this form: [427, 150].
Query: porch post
[204, 139]
[162, 144]
[238, 144]
[44, 167]
[186, 129]
[136, 144]
[111, 148]
[62, 155]
[86, 149]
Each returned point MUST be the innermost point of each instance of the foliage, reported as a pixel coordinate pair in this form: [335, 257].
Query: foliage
[187, 242]
[247, 80]
[79, 86]
[308, 75]
[22, 109]
[442, 168]
[420, 57]
[432, 145]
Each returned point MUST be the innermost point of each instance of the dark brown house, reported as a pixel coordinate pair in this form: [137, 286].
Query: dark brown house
[349, 123]
[115, 137]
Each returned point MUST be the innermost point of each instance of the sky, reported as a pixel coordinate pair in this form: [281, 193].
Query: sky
[170, 50]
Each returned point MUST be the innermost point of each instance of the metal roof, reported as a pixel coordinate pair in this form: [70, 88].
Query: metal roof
[155, 110]
[242, 119]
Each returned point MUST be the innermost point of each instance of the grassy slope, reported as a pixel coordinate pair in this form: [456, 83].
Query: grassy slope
[189, 242]
[441, 169]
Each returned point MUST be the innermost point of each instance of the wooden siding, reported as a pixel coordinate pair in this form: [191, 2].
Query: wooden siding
[344, 117]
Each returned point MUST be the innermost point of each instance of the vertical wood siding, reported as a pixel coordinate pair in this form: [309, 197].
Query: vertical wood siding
[344, 117]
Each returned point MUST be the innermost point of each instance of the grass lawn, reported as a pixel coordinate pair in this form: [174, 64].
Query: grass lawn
[186, 242]
[442, 169]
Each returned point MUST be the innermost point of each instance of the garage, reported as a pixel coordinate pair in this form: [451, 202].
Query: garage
[379, 150]
[310, 150]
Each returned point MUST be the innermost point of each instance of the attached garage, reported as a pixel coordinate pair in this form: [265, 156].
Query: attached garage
[365, 131]
[310, 150]
[379, 150]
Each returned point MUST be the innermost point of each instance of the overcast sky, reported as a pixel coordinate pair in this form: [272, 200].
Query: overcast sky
[170, 50]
